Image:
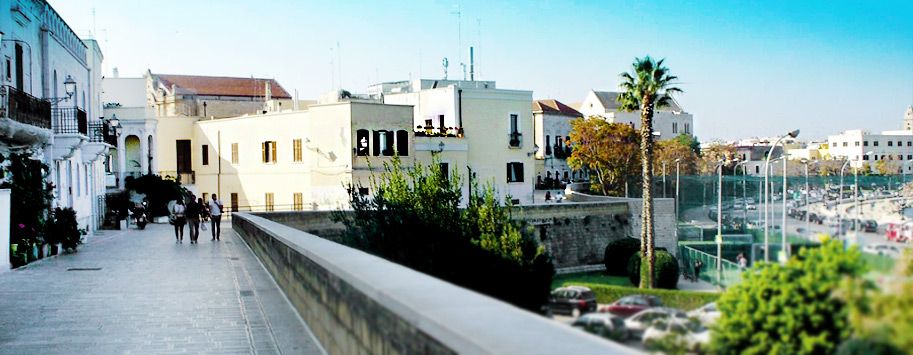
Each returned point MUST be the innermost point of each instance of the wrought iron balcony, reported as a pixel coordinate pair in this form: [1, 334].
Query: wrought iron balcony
[515, 139]
[102, 132]
[70, 121]
[24, 108]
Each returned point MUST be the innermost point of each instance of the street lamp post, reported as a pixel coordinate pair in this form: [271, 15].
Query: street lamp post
[719, 224]
[856, 192]
[840, 198]
[792, 134]
[784, 254]
[677, 165]
[807, 193]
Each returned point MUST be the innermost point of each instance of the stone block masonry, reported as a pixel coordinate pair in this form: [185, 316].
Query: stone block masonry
[357, 303]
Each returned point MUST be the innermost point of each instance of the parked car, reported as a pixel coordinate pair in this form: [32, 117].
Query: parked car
[707, 314]
[693, 334]
[882, 249]
[631, 304]
[603, 324]
[870, 226]
[752, 207]
[639, 322]
[573, 300]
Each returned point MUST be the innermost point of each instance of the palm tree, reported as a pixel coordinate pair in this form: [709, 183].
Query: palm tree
[649, 87]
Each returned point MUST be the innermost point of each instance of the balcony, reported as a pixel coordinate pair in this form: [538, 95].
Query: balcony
[429, 131]
[70, 121]
[516, 139]
[101, 132]
[24, 119]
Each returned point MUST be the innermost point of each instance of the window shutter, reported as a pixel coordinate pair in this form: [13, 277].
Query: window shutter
[509, 167]
[361, 136]
[518, 171]
[402, 143]
[375, 144]
[263, 146]
[273, 155]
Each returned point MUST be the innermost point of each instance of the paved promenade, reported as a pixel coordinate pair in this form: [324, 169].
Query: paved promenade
[149, 296]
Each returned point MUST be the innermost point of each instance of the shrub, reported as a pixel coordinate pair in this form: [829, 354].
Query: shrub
[617, 254]
[867, 347]
[686, 300]
[414, 220]
[66, 228]
[666, 272]
[790, 308]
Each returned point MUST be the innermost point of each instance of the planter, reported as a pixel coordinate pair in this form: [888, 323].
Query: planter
[43, 251]
[33, 253]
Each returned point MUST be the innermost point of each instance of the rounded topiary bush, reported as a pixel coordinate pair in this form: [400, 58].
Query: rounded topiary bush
[617, 254]
[665, 273]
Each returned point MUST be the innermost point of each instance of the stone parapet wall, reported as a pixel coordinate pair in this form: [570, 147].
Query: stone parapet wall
[356, 303]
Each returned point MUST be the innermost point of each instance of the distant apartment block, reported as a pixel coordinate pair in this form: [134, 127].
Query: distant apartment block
[668, 122]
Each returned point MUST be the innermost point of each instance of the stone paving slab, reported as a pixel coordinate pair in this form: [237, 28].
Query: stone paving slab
[150, 296]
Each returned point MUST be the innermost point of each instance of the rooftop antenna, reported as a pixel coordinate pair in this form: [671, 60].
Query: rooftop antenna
[332, 71]
[459, 14]
[445, 63]
[478, 67]
[339, 63]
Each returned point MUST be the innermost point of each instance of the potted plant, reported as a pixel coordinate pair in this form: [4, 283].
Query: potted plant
[67, 228]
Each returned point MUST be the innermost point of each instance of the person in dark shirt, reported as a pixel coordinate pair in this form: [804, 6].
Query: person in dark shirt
[193, 212]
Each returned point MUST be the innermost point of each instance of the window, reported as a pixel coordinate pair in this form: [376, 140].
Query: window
[514, 135]
[865, 143]
[234, 153]
[687, 128]
[78, 181]
[270, 206]
[298, 201]
[909, 144]
[757, 170]
[9, 72]
[296, 150]
[376, 143]
[890, 143]
[909, 157]
[445, 170]
[440, 121]
[361, 139]
[856, 143]
[899, 144]
[866, 157]
[674, 127]
[205, 154]
[402, 143]
[19, 72]
[548, 147]
[875, 143]
[205, 197]
[388, 143]
[363, 191]
[269, 152]
[514, 172]
[844, 144]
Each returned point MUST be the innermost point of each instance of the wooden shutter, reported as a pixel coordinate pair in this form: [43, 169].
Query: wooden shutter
[402, 143]
[273, 151]
[388, 150]
[263, 147]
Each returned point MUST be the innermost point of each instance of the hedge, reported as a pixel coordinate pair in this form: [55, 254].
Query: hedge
[686, 300]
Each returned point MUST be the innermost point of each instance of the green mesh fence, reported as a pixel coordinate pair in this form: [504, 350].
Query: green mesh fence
[710, 270]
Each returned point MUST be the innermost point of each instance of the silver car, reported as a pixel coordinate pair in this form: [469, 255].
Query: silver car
[640, 321]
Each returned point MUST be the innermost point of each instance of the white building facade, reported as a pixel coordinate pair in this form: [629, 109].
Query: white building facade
[668, 122]
[50, 103]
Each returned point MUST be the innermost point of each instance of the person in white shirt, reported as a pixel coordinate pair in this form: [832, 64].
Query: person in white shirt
[177, 212]
[215, 214]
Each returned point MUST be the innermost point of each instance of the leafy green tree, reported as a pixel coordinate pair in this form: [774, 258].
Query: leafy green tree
[689, 141]
[608, 150]
[671, 150]
[790, 308]
[30, 195]
[414, 219]
[618, 253]
[158, 192]
[649, 87]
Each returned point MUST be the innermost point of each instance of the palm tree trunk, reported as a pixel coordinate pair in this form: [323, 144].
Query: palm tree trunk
[647, 242]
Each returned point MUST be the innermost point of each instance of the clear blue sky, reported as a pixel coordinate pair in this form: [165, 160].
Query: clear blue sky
[748, 68]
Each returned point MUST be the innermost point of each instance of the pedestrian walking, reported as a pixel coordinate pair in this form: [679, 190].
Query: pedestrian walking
[743, 261]
[193, 212]
[178, 216]
[697, 269]
[215, 214]
[548, 195]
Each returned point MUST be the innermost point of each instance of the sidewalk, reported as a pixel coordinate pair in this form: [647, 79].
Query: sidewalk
[140, 293]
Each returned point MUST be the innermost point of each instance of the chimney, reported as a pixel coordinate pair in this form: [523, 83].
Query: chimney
[472, 66]
[116, 74]
[269, 95]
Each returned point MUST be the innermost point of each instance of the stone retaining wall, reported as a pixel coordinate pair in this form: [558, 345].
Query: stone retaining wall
[357, 303]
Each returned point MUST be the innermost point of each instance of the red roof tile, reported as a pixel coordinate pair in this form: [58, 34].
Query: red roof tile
[223, 86]
[555, 106]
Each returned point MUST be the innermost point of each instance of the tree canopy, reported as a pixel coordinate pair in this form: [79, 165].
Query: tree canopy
[608, 150]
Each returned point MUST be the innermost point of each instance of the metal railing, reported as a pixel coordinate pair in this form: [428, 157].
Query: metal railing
[731, 274]
[101, 132]
[70, 121]
[24, 108]
[181, 177]
[515, 138]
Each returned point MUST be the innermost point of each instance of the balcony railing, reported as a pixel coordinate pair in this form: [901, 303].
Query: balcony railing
[181, 177]
[24, 108]
[515, 139]
[429, 131]
[70, 121]
[101, 132]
